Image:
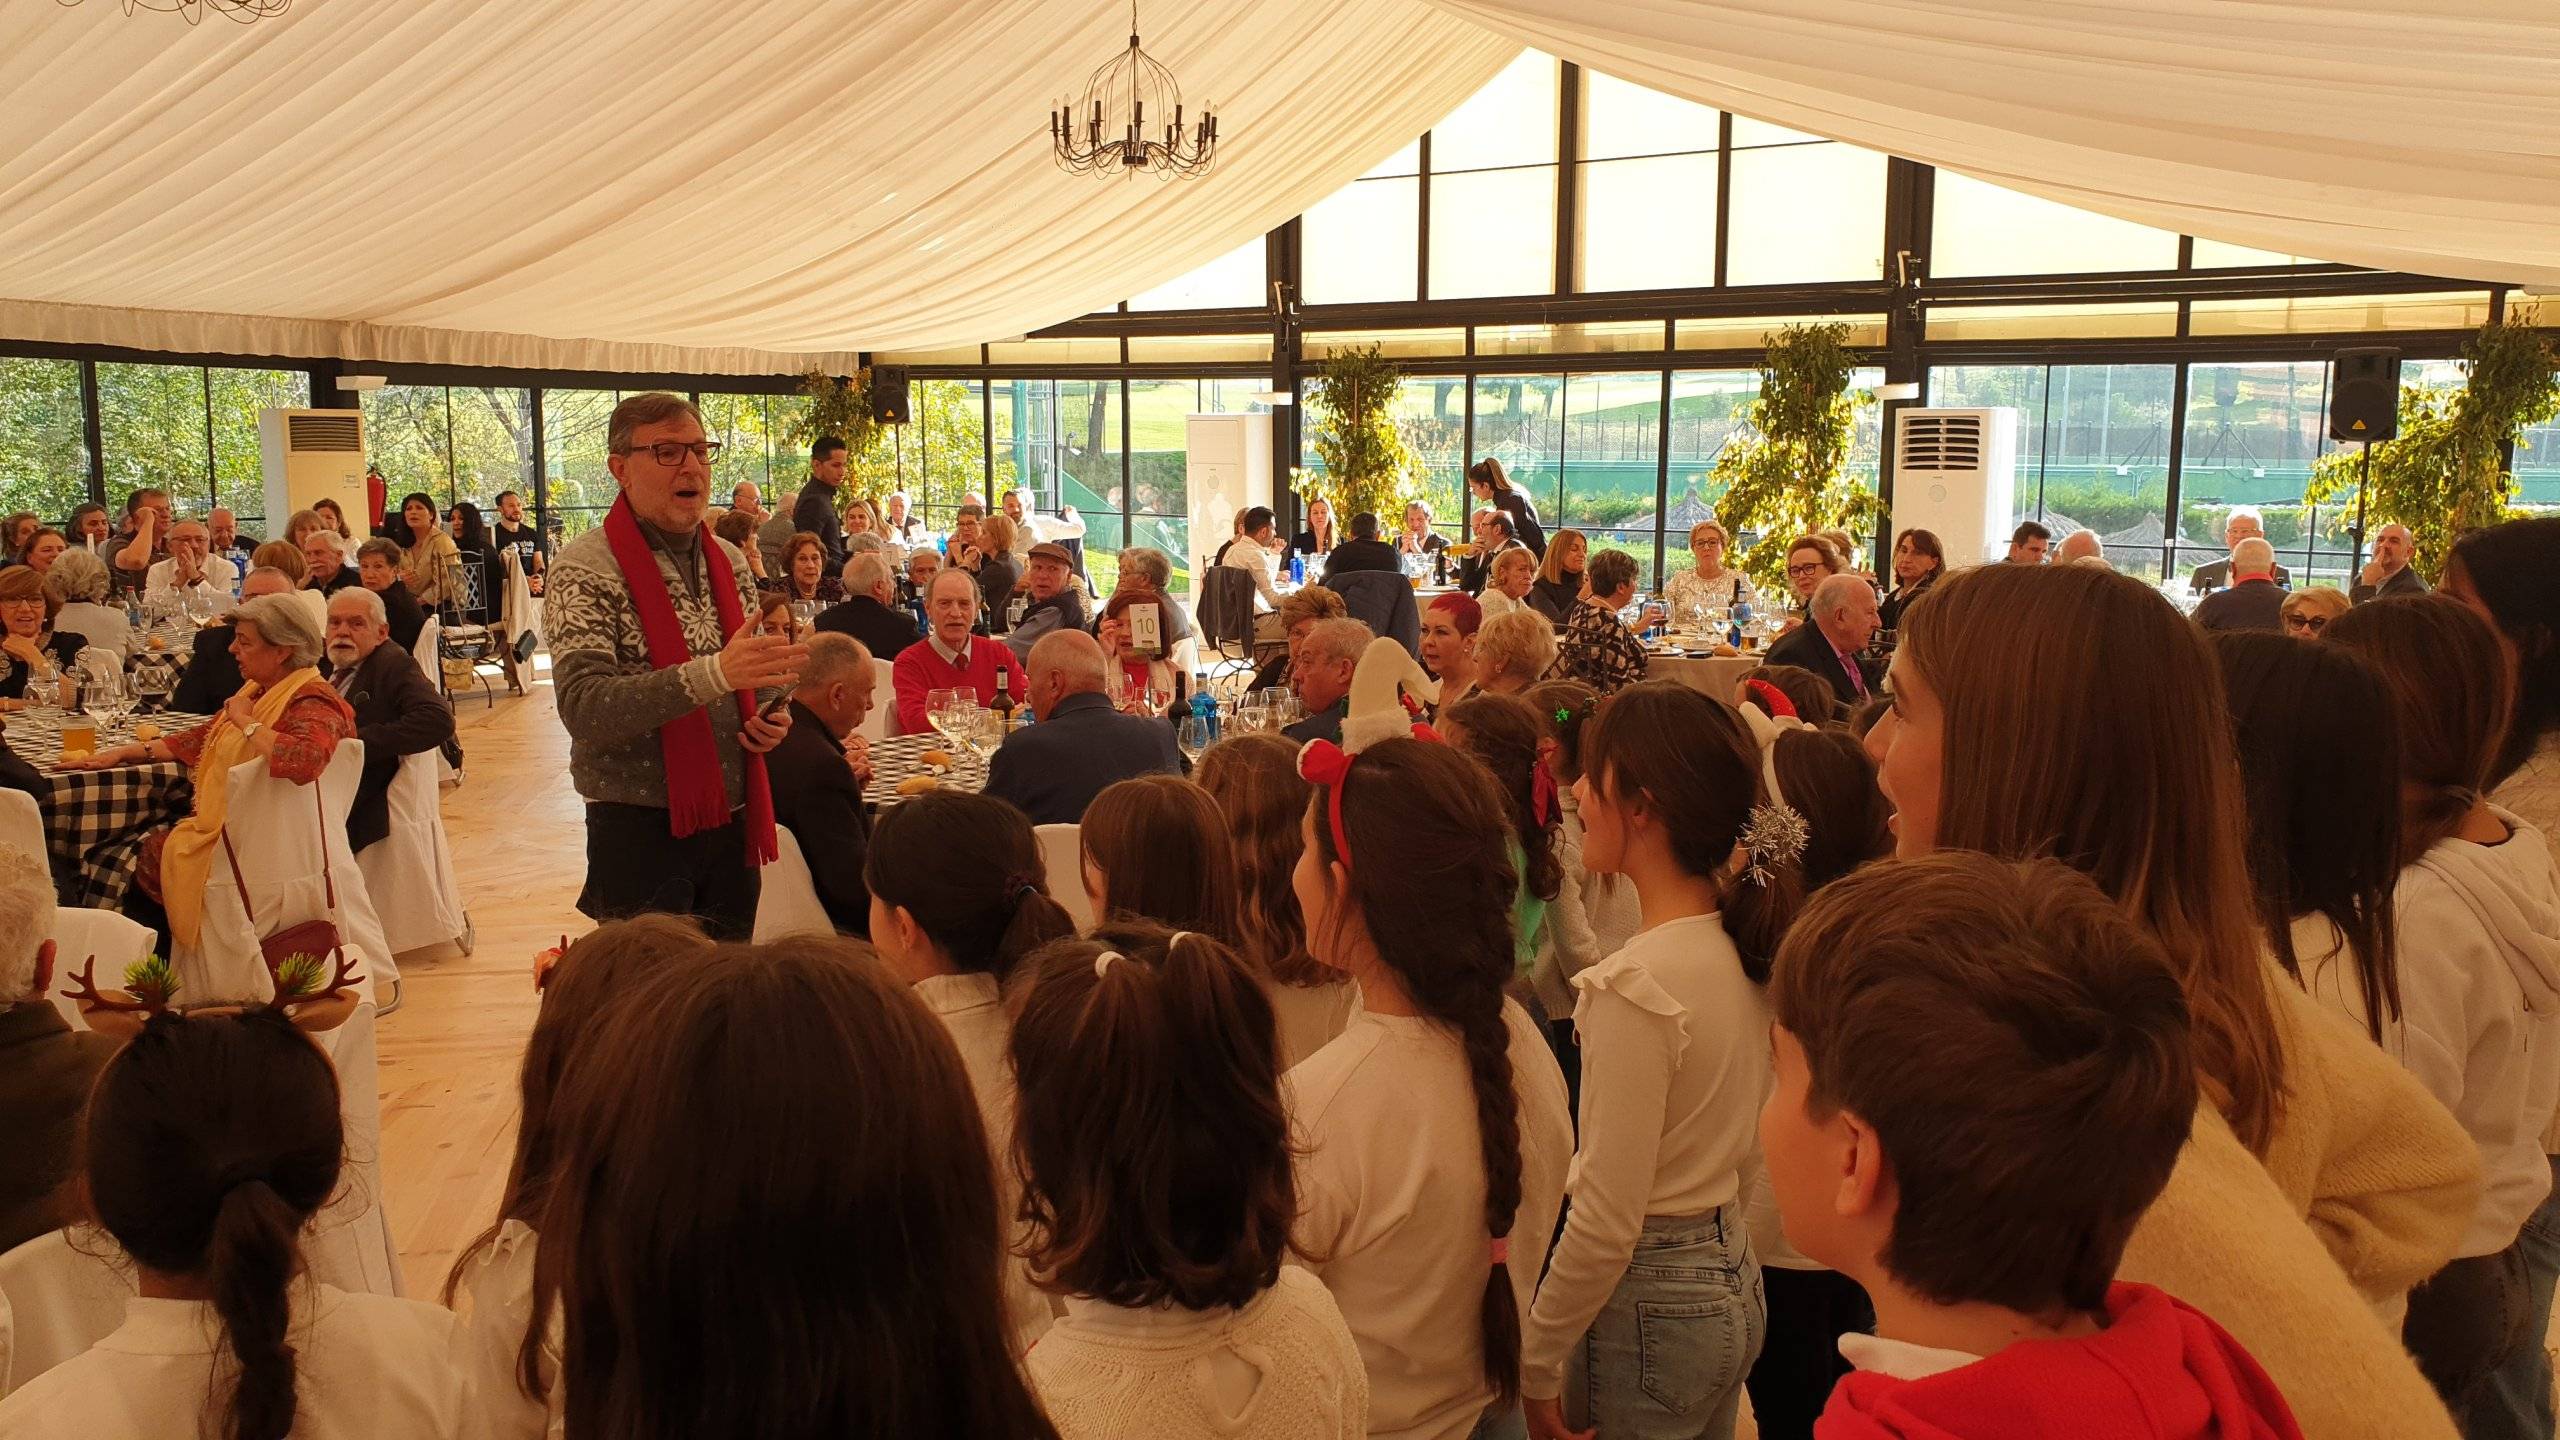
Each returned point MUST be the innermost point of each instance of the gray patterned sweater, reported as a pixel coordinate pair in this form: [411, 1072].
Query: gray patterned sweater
[611, 702]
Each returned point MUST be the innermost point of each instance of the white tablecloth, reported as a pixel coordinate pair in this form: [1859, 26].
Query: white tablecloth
[1710, 675]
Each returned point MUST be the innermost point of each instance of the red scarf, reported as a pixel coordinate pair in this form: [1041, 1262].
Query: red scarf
[697, 799]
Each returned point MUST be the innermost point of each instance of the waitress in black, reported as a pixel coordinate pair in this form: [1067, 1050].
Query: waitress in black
[1492, 487]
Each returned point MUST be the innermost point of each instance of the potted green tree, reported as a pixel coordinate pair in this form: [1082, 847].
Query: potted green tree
[1367, 463]
[1783, 470]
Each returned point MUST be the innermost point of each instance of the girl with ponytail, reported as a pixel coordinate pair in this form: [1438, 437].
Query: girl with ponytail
[1157, 1180]
[212, 1140]
[959, 897]
[1435, 1125]
[1654, 1289]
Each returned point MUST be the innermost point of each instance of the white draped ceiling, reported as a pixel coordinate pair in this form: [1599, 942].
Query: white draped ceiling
[753, 186]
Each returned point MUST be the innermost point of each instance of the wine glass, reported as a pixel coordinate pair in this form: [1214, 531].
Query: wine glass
[103, 695]
[938, 711]
[1193, 736]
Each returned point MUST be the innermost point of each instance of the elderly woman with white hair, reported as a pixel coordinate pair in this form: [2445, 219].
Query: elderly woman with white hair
[286, 714]
[1514, 651]
[78, 590]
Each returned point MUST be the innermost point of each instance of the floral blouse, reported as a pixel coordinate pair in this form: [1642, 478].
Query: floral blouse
[305, 739]
[1595, 649]
[1689, 588]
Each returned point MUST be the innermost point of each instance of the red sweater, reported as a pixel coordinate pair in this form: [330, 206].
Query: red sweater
[920, 669]
[2159, 1371]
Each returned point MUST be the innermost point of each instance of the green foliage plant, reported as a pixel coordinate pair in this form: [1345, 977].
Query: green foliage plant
[840, 405]
[1368, 462]
[1783, 471]
[2445, 473]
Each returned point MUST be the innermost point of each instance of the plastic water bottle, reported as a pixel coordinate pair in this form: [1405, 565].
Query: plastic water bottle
[1297, 569]
[1741, 618]
[1204, 708]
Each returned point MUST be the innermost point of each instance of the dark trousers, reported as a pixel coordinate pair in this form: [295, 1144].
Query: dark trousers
[2467, 1320]
[1809, 1310]
[635, 867]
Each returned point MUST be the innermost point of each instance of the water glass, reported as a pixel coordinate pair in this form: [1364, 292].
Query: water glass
[1193, 736]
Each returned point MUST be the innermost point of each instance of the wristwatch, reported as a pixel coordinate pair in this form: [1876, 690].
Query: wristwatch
[249, 731]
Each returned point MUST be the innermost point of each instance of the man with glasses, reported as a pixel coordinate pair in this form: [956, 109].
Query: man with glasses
[191, 566]
[663, 683]
[2241, 524]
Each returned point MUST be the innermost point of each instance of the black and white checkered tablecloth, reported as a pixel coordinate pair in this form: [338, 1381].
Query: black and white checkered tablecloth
[894, 759]
[95, 819]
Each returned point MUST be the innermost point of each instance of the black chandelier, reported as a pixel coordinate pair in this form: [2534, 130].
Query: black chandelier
[1128, 84]
[244, 11]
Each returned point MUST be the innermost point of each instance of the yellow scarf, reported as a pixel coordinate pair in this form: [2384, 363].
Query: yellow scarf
[187, 858]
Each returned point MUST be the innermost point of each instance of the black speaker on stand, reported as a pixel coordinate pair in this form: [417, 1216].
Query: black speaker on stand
[888, 393]
[2364, 406]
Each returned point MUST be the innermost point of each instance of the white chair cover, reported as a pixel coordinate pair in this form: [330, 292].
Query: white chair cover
[880, 724]
[409, 872]
[521, 611]
[1062, 856]
[79, 933]
[429, 636]
[58, 1302]
[1186, 656]
[22, 823]
[788, 903]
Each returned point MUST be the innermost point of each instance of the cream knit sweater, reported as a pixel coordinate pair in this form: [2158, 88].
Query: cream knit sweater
[1282, 1368]
[2368, 1180]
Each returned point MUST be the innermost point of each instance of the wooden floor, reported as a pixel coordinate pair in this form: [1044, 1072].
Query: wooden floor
[449, 1053]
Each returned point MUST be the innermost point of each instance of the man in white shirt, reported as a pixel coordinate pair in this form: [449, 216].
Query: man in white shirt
[1252, 553]
[191, 565]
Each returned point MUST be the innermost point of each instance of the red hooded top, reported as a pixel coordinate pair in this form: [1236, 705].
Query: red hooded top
[2159, 1371]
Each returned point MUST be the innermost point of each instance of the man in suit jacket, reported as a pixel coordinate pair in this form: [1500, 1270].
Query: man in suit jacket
[818, 772]
[2242, 524]
[1363, 551]
[1842, 623]
[45, 1066]
[1052, 771]
[398, 714]
[869, 612]
[2388, 572]
[2254, 601]
[1493, 536]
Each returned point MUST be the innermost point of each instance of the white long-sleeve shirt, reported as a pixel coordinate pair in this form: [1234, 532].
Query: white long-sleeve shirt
[1247, 554]
[498, 1291]
[1282, 1367]
[366, 1367]
[2479, 952]
[1675, 1064]
[971, 1007]
[1393, 1218]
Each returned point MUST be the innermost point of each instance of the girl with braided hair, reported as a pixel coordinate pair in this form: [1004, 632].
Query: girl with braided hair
[1435, 1125]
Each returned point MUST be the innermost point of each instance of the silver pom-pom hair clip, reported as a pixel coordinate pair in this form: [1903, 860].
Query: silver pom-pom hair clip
[1776, 834]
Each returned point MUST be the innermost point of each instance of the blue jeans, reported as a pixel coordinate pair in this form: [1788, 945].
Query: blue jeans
[1666, 1357]
[2514, 1402]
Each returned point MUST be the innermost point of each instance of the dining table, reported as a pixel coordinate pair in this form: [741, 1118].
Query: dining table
[1693, 662]
[95, 820]
[902, 757]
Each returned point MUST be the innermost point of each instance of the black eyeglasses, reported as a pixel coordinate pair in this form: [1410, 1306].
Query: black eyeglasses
[671, 453]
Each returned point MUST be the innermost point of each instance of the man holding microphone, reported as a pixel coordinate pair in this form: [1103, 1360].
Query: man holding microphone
[670, 697]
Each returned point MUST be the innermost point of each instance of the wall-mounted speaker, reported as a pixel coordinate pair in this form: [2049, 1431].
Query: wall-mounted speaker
[889, 394]
[2364, 395]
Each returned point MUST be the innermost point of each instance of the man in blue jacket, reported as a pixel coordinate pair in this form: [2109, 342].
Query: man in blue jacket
[1080, 745]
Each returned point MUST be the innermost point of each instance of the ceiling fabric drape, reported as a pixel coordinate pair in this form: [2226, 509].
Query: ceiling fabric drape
[758, 186]
[655, 185]
[2406, 136]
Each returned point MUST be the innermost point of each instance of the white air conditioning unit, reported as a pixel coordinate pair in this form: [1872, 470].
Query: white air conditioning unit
[1955, 475]
[312, 455]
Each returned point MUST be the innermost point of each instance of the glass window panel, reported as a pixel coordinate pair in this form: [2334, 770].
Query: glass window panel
[942, 452]
[1159, 451]
[1806, 212]
[787, 427]
[493, 443]
[1751, 332]
[2252, 431]
[1091, 475]
[1619, 120]
[1024, 430]
[746, 455]
[1599, 337]
[578, 486]
[1395, 344]
[1511, 121]
[1181, 349]
[44, 438]
[2213, 254]
[2458, 310]
[2537, 466]
[1706, 412]
[2107, 458]
[239, 469]
[1232, 279]
[1520, 422]
[1353, 243]
[1612, 454]
[1646, 224]
[151, 425]
[1982, 229]
[2051, 322]
[408, 436]
[1748, 132]
[1431, 411]
[1406, 161]
[1866, 430]
[1515, 256]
